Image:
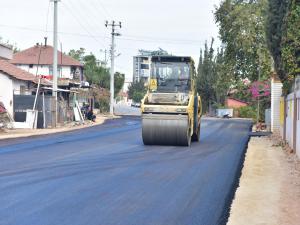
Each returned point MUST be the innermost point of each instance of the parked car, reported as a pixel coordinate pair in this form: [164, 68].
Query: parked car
[136, 104]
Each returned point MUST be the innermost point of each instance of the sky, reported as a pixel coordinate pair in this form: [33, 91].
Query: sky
[177, 26]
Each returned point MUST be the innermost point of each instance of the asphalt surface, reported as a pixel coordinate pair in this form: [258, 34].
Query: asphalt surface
[104, 175]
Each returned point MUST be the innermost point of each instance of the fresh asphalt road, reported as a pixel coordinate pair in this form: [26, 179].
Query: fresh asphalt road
[104, 175]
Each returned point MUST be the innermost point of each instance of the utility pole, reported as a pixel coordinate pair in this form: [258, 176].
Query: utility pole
[113, 25]
[54, 80]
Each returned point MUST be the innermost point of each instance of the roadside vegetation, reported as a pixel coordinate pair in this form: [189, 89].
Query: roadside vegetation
[98, 76]
[137, 91]
[259, 39]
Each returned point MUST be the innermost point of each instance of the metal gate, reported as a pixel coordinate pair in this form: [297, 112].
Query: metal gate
[44, 105]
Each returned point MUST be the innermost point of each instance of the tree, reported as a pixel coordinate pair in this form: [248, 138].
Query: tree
[283, 32]
[98, 76]
[206, 76]
[224, 77]
[13, 46]
[136, 91]
[291, 46]
[275, 26]
[95, 73]
[242, 32]
[77, 54]
[119, 79]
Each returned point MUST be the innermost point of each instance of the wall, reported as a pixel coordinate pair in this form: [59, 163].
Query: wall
[66, 72]
[17, 87]
[6, 52]
[282, 116]
[6, 92]
[298, 124]
[289, 119]
[276, 92]
[42, 70]
[231, 103]
[45, 70]
[9, 86]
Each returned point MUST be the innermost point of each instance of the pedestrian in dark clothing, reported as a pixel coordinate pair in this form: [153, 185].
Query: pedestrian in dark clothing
[91, 116]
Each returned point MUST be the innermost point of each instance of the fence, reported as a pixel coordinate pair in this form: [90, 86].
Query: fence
[290, 120]
[44, 106]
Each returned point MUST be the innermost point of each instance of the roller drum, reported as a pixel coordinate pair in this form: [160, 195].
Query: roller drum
[161, 129]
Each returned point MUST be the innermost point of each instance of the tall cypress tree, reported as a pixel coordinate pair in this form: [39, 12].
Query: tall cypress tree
[275, 32]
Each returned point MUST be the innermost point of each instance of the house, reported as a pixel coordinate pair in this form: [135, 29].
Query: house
[39, 59]
[235, 103]
[15, 81]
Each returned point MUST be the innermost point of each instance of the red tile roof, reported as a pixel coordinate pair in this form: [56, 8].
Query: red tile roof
[17, 73]
[31, 56]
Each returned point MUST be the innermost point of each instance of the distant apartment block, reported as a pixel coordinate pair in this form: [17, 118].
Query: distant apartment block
[142, 64]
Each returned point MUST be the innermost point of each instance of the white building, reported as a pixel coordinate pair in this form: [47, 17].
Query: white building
[39, 59]
[14, 80]
[142, 64]
[141, 67]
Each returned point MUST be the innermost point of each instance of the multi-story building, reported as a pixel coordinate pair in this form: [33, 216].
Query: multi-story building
[142, 64]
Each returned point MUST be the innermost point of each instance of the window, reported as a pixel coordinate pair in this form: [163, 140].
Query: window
[51, 70]
[144, 66]
[22, 90]
[171, 77]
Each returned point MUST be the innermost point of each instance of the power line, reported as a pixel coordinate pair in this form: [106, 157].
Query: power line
[93, 13]
[87, 20]
[89, 35]
[83, 27]
[159, 39]
[47, 19]
[104, 9]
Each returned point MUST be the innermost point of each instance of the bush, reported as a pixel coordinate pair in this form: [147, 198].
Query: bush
[102, 104]
[138, 96]
[247, 112]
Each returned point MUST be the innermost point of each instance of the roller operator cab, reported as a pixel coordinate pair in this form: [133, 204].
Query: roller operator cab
[171, 109]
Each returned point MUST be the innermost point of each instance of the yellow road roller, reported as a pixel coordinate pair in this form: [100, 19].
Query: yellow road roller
[171, 109]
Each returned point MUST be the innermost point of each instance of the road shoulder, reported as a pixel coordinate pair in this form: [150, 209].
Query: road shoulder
[269, 189]
[21, 133]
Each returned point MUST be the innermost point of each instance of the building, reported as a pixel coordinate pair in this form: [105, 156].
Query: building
[15, 81]
[6, 52]
[235, 103]
[39, 59]
[142, 64]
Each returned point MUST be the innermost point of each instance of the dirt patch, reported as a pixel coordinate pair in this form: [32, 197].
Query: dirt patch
[269, 191]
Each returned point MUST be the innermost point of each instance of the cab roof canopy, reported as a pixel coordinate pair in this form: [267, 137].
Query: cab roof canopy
[186, 59]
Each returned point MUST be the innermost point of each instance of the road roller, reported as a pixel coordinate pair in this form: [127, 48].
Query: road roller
[171, 108]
